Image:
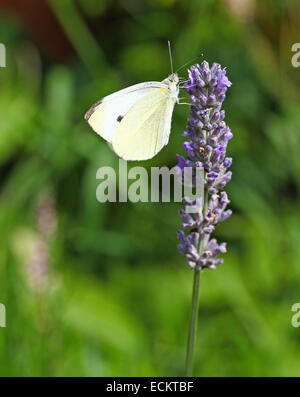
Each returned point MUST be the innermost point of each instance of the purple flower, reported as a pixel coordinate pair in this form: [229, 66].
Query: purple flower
[227, 162]
[188, 146]
[181, 162]
[223, 81]
[207, 138]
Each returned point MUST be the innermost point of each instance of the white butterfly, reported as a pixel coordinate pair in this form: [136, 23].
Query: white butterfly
[137, 119]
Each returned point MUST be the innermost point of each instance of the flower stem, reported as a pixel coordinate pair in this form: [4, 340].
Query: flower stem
[195, 306]
[193, 324]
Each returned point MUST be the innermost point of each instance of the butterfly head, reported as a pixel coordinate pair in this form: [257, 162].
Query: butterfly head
[173, 78]
[172, 83]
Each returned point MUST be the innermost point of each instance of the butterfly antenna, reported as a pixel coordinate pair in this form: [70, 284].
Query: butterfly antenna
[170, 54]
[199, 56]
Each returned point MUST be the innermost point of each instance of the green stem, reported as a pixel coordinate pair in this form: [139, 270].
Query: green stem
[195, 305]
[193, 325]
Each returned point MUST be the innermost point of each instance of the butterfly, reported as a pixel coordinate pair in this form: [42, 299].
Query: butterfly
[136, 121]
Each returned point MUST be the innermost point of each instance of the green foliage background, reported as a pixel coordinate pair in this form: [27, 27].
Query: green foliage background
[106, 293]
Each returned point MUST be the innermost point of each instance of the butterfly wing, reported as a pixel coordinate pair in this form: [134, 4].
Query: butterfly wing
[105, 115]
[145, 129]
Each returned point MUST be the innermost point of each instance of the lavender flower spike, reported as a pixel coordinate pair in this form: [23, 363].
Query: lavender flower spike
[207, 136]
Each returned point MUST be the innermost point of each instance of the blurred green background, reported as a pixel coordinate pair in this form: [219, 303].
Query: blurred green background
[99, 289]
